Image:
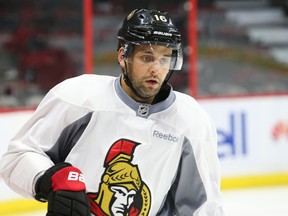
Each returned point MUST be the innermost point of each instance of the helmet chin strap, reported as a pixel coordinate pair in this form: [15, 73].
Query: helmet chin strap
[170, 73]
[129, 83]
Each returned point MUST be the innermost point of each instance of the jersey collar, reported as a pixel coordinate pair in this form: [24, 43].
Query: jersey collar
[142, 109]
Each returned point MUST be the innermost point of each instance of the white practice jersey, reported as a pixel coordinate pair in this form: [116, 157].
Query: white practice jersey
[158, 159]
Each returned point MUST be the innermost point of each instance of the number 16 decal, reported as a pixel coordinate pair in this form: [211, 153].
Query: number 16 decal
[161, 17]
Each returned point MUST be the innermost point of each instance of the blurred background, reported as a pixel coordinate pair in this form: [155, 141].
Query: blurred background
[235, 65]
[242, 45]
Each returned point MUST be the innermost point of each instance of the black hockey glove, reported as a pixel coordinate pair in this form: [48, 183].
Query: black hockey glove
[64, 188]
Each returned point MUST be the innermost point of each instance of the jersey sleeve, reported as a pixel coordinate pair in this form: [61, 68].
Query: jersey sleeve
[25, 157]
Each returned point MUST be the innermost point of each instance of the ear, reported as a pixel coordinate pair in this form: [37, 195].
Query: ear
[120, 57]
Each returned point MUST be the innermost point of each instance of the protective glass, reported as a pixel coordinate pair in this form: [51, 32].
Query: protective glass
[152, 55]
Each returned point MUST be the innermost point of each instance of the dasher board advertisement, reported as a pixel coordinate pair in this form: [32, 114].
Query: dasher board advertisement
[252, 134]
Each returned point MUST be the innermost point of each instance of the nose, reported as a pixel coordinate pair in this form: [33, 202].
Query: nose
[155, 67]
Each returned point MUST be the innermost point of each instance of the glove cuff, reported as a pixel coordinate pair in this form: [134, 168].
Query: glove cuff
[44, 184]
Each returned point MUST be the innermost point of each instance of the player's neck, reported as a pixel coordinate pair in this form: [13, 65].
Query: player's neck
[131, 94]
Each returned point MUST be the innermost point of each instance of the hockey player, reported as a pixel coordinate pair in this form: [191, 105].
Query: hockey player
[127, 145]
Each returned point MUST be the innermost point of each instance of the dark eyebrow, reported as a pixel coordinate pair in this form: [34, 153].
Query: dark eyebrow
[147, 51]
[150, 52]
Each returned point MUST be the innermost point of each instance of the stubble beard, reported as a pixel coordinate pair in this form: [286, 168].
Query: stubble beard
[143, 91]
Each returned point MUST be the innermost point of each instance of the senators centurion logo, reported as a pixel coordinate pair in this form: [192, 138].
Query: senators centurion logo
[122, 191]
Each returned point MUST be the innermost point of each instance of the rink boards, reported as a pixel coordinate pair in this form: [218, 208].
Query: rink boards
[252, 143]
[252, 139]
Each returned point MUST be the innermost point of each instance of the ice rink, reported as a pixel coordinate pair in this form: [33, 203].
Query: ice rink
[266, 201]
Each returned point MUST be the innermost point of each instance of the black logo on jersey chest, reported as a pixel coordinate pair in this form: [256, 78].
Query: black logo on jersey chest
[143, 110]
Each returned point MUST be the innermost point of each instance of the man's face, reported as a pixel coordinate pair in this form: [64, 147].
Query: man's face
[147, 69]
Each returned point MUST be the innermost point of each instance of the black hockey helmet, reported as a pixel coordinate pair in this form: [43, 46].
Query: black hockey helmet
[144, 26]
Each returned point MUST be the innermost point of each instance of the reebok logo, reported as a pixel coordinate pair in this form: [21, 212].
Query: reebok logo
[165, 136]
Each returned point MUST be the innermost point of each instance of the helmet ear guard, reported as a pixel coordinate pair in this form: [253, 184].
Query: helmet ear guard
[127, 50]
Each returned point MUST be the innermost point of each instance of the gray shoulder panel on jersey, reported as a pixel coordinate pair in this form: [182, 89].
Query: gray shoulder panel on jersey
[143, 110]
[187, 193]
[68, 138]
